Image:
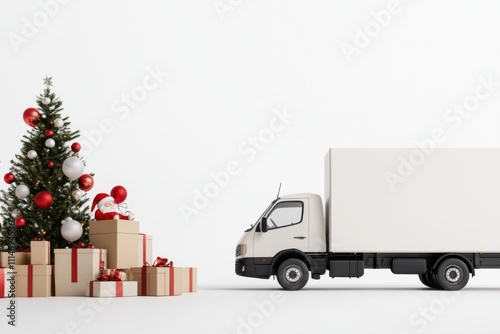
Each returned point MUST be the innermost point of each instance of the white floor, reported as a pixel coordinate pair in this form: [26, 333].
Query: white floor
[378, 303]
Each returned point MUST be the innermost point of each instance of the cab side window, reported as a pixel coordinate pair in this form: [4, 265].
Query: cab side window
[285, 214]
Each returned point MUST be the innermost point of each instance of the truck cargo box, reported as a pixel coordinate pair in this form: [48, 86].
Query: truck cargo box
[413, 200]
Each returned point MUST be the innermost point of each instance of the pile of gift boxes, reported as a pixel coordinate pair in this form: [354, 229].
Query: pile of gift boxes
[118, 262]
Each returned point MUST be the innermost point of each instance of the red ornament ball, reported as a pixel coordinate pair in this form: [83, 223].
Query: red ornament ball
[76, 147]
[31, 116]
[50, 164]
[20, 222]
[85, 182]
[9, 178]
[43, 200]
[119, 193]
[49, 133]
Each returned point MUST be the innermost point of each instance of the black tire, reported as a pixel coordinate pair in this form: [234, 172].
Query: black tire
[431, 278]
[452, 274]
[292, 274]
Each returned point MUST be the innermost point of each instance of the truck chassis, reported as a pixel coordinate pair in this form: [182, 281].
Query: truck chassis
[446, 271]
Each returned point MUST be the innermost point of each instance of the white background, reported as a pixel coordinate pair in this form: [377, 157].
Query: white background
[229, 71]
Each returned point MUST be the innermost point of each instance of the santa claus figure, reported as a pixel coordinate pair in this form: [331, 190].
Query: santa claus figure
[107, 209]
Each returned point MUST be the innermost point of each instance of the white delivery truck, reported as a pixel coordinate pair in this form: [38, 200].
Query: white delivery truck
[434, 213]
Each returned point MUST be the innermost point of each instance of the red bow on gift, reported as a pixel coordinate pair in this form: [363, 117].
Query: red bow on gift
[160, 262]
[38, 239]
[81, 244]
[114, 275]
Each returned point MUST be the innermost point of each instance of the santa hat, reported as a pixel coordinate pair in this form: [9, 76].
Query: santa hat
[100, 200]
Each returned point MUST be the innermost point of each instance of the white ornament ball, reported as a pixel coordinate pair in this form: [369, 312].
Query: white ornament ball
[73, 168]
[32, 154]
[46, 100]
[15, 213]
[58, 123]
[71, 230]
[50, 143]
[77, 194]
[22, 191]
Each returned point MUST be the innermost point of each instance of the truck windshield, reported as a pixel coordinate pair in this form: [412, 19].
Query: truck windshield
[262, 215]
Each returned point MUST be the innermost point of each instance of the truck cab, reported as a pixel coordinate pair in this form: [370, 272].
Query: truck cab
[292, 227]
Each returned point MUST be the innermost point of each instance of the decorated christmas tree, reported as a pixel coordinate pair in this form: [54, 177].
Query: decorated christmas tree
[46, 197]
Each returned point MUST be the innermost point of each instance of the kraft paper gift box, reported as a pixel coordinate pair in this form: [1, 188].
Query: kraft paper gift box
[145, 248]
[21, 258]
[119, 238]
[75, 268]
[189, 279]
[112, 289]
[6, 278]
[33, 280]
[157, 281]
[40, 252]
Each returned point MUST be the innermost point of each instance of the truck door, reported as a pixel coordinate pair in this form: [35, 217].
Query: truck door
[288, 227]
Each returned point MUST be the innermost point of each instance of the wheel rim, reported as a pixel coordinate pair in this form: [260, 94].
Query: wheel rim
[453, 274]
[292, 274]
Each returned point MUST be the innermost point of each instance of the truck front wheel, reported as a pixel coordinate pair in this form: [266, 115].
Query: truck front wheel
[452, 274]
[292, 274]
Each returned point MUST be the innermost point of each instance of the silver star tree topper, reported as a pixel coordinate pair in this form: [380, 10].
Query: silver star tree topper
[47, 81]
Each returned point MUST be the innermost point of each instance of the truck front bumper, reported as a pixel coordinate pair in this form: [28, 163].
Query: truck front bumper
[246, 267]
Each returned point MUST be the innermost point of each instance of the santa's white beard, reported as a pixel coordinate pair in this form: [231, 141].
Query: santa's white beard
[112, 208]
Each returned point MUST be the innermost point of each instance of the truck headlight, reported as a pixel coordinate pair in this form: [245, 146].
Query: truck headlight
[241, 250]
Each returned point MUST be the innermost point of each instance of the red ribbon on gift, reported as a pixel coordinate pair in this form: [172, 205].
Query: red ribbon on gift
[24, 250]
[74, 259]
[30, 280]
[143, 247]
[2, 283]
[114, 275]
[144, 280]
[191, 274]
[172, 282]
[74, 265]
[118, 288]
[101, 267]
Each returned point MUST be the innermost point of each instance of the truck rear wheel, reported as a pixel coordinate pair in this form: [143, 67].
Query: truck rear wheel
[431, 278]
[292, 274]
[452, 274]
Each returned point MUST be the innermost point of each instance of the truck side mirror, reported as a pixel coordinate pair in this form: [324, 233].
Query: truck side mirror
[263, 225]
